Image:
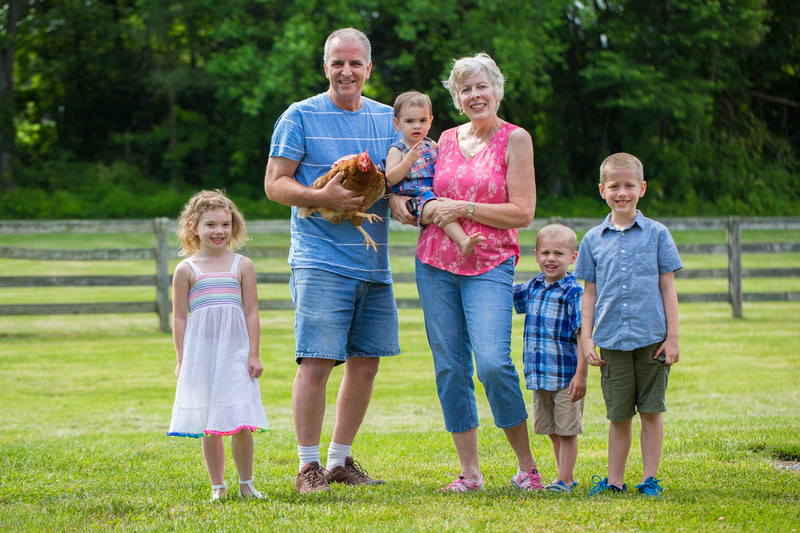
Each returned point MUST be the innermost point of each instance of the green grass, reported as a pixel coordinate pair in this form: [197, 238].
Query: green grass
[86, 402]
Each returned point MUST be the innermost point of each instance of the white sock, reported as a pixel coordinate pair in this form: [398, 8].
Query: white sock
[307, 454]
[337, 453]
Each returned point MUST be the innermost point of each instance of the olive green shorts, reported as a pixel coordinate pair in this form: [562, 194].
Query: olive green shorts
[633, 381]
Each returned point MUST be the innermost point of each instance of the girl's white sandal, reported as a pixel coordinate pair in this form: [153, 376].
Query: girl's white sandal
[215, 492]
[255, 493]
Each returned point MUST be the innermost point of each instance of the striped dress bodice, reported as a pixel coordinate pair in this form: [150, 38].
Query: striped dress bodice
[216, 288]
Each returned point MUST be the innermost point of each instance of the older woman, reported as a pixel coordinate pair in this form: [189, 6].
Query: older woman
[485, 179]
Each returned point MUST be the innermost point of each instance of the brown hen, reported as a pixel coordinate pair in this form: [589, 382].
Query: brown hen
[360, 176]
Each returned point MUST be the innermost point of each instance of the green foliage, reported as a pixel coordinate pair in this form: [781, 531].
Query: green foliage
[704, 92]
[81, 190]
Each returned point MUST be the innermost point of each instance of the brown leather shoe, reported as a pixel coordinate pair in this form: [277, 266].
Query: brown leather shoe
[350, 474]
[311, 479]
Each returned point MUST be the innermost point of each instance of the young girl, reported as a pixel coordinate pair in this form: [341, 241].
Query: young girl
[410, 163]
[217, 347]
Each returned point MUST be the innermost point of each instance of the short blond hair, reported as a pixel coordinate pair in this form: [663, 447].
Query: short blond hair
[559, 232]
[199, 204]
[621, 160]
[466, 67]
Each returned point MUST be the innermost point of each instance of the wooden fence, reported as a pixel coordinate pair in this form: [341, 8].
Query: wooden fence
[161, 253]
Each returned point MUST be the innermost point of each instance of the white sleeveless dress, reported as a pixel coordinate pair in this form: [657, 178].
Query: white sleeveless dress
[215, 394]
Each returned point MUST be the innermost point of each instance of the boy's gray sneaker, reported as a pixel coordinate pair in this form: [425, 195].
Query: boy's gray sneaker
[560, 486]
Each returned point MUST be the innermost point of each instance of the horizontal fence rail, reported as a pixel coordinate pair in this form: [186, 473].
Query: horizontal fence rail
[143, 254]
[162, 228]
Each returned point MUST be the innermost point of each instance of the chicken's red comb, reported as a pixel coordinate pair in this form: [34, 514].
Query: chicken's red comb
[364, 162]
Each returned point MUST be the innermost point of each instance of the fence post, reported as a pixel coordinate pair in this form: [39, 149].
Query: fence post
[735, 265]
[162, 274]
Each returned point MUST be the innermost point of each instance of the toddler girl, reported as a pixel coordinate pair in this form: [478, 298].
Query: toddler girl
[217, 347]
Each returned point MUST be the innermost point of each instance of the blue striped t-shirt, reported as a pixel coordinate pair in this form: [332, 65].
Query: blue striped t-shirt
[316, 133]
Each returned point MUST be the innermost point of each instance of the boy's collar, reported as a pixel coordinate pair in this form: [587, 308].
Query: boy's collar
[637, 220]
[541, 279]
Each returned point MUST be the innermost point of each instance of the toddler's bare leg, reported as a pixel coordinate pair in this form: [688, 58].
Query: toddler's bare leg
[465, 242]
[453, 230]
[428, 210]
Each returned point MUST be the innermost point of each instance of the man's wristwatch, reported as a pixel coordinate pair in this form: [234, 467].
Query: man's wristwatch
[470, 209]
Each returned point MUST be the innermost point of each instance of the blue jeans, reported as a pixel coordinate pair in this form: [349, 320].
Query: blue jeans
[466, 316]
[337, 317]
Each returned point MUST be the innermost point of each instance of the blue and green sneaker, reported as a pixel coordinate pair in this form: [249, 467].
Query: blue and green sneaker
[601, 485]
[650, 487]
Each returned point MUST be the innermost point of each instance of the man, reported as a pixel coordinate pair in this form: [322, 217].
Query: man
[342, 292]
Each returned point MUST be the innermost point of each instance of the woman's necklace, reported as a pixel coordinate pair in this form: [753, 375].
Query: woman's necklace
[481, 141]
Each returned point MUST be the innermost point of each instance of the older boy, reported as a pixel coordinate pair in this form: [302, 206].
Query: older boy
[628, 263]
[554, 365]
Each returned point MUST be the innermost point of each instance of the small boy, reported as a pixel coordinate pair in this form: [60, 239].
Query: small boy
[410, 163]
[628, 264]
[554, 365]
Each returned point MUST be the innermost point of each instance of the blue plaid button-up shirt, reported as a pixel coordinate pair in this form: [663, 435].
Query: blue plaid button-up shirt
[420, 176]
[552, 320]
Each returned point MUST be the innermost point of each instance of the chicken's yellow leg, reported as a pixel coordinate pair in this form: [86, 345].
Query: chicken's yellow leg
[367, 239]
[369, 217]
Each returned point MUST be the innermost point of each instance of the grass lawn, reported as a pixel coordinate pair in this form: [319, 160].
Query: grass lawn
[86, 402]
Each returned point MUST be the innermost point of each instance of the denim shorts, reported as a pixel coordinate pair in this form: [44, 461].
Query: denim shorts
[468, 316]
[337, 317]
[633, 380]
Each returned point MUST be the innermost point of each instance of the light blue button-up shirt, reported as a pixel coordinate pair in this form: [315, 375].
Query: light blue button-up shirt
[625, 266]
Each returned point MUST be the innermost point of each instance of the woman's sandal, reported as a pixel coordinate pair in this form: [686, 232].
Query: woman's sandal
[255, 493]
[215, 492]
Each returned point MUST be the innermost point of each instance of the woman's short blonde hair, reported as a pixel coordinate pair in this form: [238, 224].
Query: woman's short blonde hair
[466, 67]
[203, 202]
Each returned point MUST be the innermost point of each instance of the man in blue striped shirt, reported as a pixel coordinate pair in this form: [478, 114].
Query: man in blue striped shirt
[345, 310]
[554, 365]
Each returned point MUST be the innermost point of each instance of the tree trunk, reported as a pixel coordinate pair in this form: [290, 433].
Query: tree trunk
[7, 131]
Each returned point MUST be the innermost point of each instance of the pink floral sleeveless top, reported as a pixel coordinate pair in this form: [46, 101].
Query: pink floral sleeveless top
[481, 179]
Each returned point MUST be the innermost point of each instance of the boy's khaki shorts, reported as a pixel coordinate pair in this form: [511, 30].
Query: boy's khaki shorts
[633, 380]
[555, 414]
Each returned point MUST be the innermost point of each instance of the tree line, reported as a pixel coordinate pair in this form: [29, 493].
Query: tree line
[121, 108]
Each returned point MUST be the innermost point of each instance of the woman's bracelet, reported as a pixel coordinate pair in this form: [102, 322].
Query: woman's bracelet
[470, 209]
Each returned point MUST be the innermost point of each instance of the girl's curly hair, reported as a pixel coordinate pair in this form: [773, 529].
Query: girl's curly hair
[200, 203]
